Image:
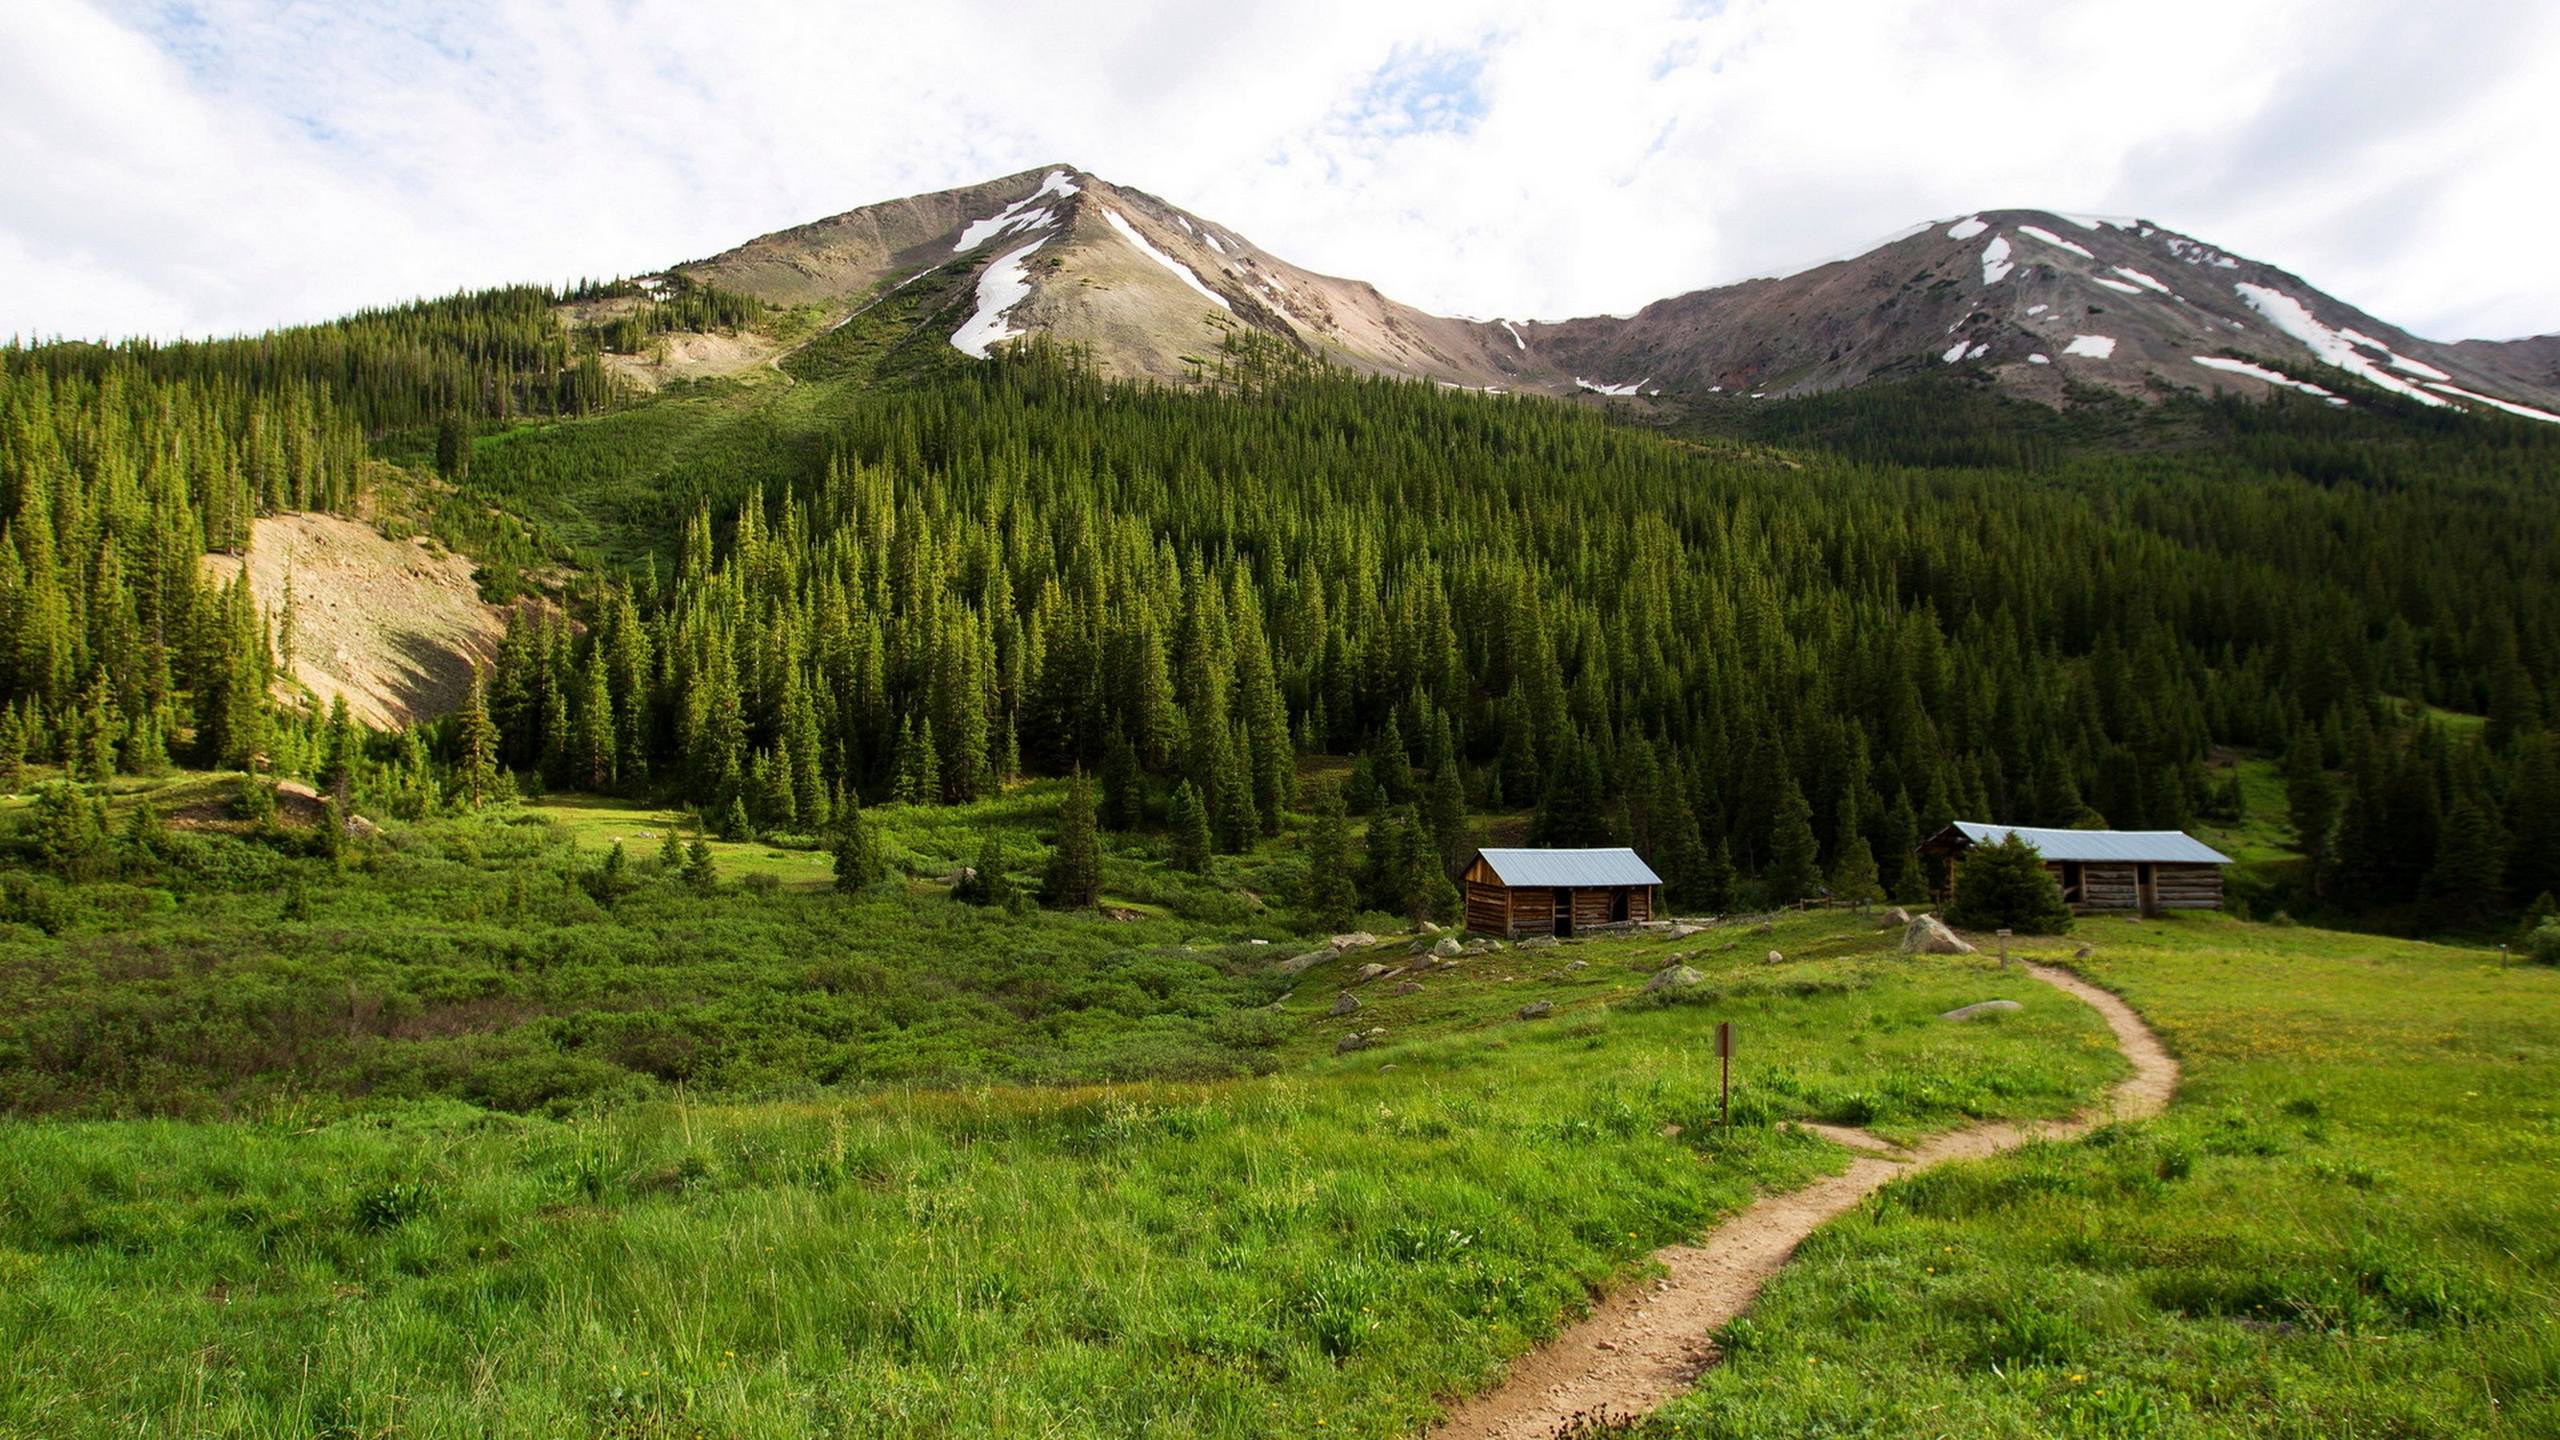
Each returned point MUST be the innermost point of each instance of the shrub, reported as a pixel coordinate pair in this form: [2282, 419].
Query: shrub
[2004, 886]
[2542, 947]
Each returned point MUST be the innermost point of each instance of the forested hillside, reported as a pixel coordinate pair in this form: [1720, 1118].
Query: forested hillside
[1770, 659]
[1786, 663]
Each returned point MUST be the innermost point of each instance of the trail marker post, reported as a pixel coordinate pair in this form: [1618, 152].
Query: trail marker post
[1724, 1056]
[2004, 949]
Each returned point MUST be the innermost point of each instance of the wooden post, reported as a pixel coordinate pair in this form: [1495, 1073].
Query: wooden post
[1724, 1055]
[2004, 949]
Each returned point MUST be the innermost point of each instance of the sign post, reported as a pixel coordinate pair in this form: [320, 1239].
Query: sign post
[2004, 949]
[1724, 1056]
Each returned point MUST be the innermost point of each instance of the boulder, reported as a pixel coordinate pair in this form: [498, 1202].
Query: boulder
[1977, 1011]
[1425, 927]
[1537, 1010]
[1480, 947]
[1895, 917]
[1672, 977]
[1776, 957]
[1300, 964]
[1345, 1004]
[1356, 1040]
[1578, 965]
[1929, 935]
[1371, 972]
[1448, 948]
[1356, 940]
[1540, 942]
[1407, 987]
[2084, 952]
[1683, 931]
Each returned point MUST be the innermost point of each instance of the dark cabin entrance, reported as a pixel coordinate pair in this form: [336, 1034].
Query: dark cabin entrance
[1564, 914]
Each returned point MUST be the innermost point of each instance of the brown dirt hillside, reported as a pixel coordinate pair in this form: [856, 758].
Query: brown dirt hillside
[393, 625]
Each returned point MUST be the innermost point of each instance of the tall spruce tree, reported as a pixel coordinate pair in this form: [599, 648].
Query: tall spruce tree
[1074, 877]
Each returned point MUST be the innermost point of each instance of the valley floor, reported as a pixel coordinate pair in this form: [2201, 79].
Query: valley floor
[2342, 1227]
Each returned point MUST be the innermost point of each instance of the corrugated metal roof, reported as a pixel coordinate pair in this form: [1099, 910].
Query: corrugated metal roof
[1618, 866]
[2170, 847]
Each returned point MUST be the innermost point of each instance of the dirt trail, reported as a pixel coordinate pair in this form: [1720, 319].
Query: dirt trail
[1646, 1343]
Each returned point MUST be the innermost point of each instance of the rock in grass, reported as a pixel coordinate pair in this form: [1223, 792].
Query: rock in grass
[1775, 957]
[1448, 948]
[1539, 941]
[1682, 931]
[1672, 977]
[1929, 935]
[1578, 965]
[1371, 972]
[2084, 952]
[1409, 987]
[1356, 1040]
[1977, 1011]
[1356, 940]
[1537, 1010]
[1893, 918]
[1344, 1004]
[1300, 964]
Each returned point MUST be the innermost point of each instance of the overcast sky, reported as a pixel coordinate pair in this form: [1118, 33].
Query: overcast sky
[222, 165]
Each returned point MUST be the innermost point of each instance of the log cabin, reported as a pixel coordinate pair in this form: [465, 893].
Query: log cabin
[1516, 893]
[2140, 870]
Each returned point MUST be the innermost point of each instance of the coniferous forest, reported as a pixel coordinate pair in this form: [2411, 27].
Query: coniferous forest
[1755, 652]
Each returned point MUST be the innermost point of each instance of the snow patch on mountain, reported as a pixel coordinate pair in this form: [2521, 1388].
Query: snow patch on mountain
[1601, 388]
[2509, 406]
[2261, 372]
[1004, 284]
[1017, 216]
[2117, 285]
[1515, 336]
[2138, 278]
[1996, 263]
[1966, 228]
[2096, 347]
[1180, 271]
[2295, 319]
[2040, 233]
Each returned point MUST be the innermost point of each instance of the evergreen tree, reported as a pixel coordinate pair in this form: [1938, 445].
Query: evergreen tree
[986, 882]
[1573, 812]
[453, 447]
[1074, 877]
[1853, 864]
[1445, 815]
[1327, 894]
[1189, 822]
[1124, 794]
[1794, 856]
[2467, 881]
[857, 859]
[671, 852]
[2312, 803]
[701, 871]
[2004, 886]
[341, 753]
[476, 742]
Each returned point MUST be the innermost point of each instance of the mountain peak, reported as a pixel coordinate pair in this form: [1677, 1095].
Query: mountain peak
[2036, 300]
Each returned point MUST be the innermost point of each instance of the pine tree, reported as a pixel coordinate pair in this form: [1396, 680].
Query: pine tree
[476, 742]
[1853, 864]
[2467, 881]
[735, 824]
[1188, 820]
[986, 883]
[1326, 894]
[701, 871]
[1445, 814]
[1124, 793]
[1573, 812]
[857, 860]
[2004, 885]
[1074, 877]
[1794, 856]
[453, 447]
[341, 756]
[2312, 803]
[671, 852]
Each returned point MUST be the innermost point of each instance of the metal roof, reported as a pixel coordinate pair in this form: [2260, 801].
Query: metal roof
[2172, 847]
[1618, 866]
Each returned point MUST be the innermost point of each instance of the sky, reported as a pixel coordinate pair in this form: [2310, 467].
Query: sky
[200, 167]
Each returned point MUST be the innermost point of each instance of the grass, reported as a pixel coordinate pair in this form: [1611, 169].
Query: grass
[2344, 1226]
[1322, 1250]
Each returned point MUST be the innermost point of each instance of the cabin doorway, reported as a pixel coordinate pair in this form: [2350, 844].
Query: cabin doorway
[2147, 881]
[1564, 914]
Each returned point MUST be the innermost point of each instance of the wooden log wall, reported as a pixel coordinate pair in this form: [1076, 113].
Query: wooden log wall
[1592, 907]
[2188, 887]
[1488, 909]
[2110, 887]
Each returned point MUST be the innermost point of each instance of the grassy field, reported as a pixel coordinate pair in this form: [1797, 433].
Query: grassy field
[1323, 1250]
[2347, 1225]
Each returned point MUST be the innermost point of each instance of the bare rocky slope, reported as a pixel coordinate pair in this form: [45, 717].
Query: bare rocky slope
[2034, 299]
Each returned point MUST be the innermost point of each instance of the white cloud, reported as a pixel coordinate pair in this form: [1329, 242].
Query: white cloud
[233, 164]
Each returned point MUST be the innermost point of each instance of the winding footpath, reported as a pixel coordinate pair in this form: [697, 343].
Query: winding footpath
[1646, 1343]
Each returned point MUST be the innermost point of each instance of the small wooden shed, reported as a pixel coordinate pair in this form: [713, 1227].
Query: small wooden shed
[1513, 893]
[2143, 870]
